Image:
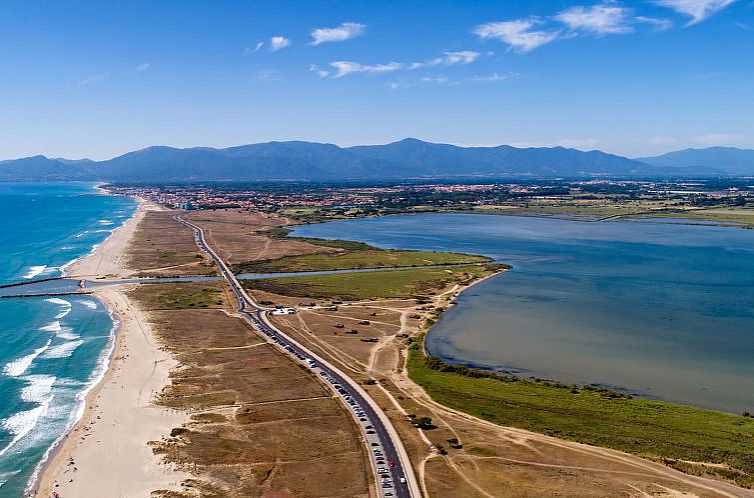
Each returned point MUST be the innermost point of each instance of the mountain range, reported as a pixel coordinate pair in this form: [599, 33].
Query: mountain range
[405, 159]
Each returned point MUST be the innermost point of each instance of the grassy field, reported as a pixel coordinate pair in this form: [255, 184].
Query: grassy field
[163, 247]
[373, 285]
[741, 215]
[369, 258]
[189, 295]
[678, 435]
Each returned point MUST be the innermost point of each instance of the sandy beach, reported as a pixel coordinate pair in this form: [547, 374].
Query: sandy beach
[107, 452]
[108, 259]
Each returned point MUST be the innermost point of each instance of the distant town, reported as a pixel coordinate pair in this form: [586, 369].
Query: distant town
[595, 198]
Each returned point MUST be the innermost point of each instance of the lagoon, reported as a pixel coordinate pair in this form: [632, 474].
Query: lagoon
[661, 310]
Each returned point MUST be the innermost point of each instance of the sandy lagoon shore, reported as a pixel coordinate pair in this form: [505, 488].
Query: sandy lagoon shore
[107, 452]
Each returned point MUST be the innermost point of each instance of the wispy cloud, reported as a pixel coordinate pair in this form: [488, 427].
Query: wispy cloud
[322, 73]
[487, 78]
[448, 59]
[278, 43]
[97, 78]
[257, 48]
[579, 143]
[142, 67]
[711, 139]
[602, 19]
[344, 68]
[520, 35]
[658, 24]
[267, 75]
[345, 31]
[698, 10]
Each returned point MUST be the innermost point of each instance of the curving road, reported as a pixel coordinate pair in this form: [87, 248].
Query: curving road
[383, 442]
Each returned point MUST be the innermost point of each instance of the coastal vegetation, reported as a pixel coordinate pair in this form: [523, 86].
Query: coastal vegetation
[404, 283]
[185, 295]
[260, 425]
[694, 440]
[162, 247]
[352, 259]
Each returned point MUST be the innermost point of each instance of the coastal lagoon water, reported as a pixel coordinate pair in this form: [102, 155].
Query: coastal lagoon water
[661, 310]
[51, 349]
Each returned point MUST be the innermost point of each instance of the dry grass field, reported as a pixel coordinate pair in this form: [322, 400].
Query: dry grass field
[257, 428]
[237, 235]
[464, 456]
[261, 425]
[163, 247]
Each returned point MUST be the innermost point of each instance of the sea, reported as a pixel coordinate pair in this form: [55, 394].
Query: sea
[53, 349]
[659, 308]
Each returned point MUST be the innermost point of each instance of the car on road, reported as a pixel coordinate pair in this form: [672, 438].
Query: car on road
[391, 463]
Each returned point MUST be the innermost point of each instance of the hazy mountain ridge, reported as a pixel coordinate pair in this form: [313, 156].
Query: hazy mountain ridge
[730, 160]
[409, 158]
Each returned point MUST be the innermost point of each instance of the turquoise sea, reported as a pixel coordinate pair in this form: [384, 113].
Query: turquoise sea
[52, 350]
[664, 310]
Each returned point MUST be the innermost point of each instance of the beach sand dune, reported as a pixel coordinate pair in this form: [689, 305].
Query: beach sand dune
[107, 453]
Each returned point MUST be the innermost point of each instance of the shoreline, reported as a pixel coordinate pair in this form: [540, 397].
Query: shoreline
[105, 451]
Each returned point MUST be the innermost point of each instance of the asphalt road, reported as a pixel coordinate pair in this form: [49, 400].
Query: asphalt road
[359, 407]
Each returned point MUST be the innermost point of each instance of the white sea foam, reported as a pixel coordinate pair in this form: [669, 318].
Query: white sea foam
[105, 222]
[19, 366]
[5, 476]
[79, 235]
[97, 375]
[67, 334]
[51, 327]
[21, 423]
[57, 300]
[89, 304]
[63, 313]
[39, 388]
[62, 350]
[65, 307]
[35, 270]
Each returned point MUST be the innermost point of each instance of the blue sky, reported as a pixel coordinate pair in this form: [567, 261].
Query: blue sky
[96, 79]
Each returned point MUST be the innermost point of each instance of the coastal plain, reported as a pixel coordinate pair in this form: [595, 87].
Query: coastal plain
[227, 415]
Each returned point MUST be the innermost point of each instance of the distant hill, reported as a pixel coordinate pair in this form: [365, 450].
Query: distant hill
[409, 158]
[725, 160]
[41, 168]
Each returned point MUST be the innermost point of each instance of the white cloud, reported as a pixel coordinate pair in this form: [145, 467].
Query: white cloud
[279, 42]
[711, 139]
[344, 32]
[489, 78]
[267, 75]
[257, 48]
[345, 68]
[142, 67]
[449, 59]
[659, 24]
[322, 73]
[520, 35]
[603, 19]
[579, 143]
[94, 79]
[698, 10]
